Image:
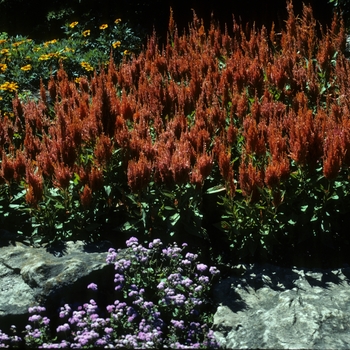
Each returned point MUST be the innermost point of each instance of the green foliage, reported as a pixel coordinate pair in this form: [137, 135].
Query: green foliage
[85, 48]
[176, 212]
[313, 209]
[343, 7]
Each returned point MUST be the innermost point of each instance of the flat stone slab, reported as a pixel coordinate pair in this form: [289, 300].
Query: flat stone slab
[269, 307]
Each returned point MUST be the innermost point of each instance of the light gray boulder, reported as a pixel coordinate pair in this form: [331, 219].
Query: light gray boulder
[39, 276]
[269, 307]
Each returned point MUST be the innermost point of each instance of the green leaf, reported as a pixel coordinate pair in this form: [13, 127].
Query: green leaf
[334, 196]
[174, 219]
[303, 208]
[108, 190]
[58, 226]
[215, 189]
[168, 208]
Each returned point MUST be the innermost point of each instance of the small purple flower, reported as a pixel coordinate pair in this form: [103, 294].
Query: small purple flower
[179, 299]
[110, 308]
[108, 330]
[191, 257]
[132, 293]
[198, 288]
[186, 282]
[132, 241]
[119, 305]
[174, 277]
[171, 252]
[111, 256]
[201, 267]
[156, 243]
[213, 270]
[46, 321]
[65, 311]
[148, 304]
[34, 318]
[169, 291]
[161, 285]
[93, 317]
[178, 324]
[122, 265]
[63, 328]
[185, 262]
[92, 286]
[3, 337]
[203, 279]
[138, 301]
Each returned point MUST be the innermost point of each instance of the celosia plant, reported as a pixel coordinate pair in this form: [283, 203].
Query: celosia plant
[163, 300]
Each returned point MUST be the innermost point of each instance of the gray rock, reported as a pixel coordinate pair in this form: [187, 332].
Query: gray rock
[39, 276]
[268, 307]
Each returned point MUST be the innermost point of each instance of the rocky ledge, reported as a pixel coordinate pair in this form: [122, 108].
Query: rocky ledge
[49, 277]
[269, 307]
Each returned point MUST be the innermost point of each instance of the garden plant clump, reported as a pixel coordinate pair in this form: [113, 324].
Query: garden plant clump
[259, 119]
[250, 129]
[83, 50]
[163, 300]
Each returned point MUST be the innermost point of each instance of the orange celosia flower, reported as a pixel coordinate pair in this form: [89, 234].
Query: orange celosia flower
[62, 176]
[86, 197]
[7, 168]
[139, 173]
[96, 179]
[250, 180]
[35, 187]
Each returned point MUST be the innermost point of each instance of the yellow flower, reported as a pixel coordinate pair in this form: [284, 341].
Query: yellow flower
[2, 41]
[7, 86]
[116, 44]
[103, 26]
[77, 80]
[54, 54]
[86, 32]
[5, 51]
[68, 49]
[16, 44]
[73, 24]
[9, 114]
[27, 67]
[87, 66]
[126, 52]
[118, 20]
[47, 43]
[3, 67]
[44, 57]
[36, 49]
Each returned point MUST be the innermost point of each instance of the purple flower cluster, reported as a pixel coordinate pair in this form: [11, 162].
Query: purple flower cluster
[161, 294]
